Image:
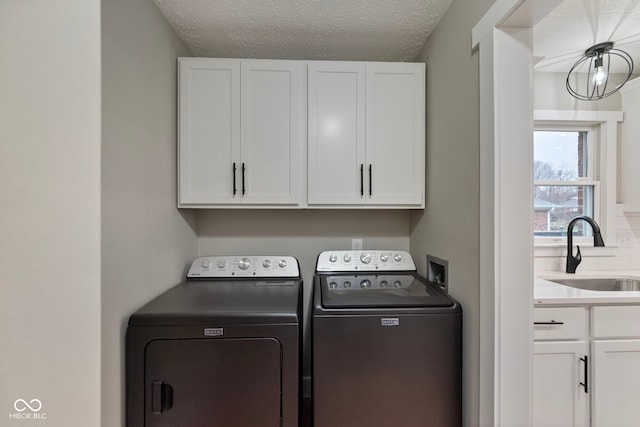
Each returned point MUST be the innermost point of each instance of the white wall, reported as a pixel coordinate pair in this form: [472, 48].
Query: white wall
[146, 241]
[449, 226]
[300, 233]
[50, 211]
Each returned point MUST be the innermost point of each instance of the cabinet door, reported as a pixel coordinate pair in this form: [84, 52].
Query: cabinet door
[336, 135]
[616, 383]
[272, 131]
[209, 130]
[395, 134]
[558, 398]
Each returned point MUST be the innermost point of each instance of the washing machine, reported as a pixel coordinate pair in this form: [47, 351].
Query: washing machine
[386, 344]
[223, 348]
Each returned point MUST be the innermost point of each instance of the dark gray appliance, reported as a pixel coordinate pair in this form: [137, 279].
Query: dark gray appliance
[386, 344]
[223, 348]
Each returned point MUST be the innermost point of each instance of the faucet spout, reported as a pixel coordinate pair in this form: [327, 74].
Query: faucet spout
[574, 261]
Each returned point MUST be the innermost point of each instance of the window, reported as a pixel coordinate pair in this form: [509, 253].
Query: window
[565, 179]
[574, 173]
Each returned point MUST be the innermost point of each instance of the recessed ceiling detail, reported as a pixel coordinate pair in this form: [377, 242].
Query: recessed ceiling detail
[366, 30]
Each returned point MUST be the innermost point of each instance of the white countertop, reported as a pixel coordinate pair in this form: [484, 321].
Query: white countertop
[546, 292]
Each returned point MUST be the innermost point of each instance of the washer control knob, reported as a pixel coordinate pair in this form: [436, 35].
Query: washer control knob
[282, 263]
[384, 284]
[244, 263]
[397, 257]
[365, 258]
[346, 257]
[384, 257]
[333, 285]
[346, 284]
[222, 263]
[397, 284]
[266, 263]
[333, 257]
[206, 264]
[366, 283]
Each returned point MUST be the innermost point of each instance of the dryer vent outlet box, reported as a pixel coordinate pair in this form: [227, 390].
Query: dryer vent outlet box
[438, 272]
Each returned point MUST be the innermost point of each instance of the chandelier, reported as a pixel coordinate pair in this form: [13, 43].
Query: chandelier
[595, 84]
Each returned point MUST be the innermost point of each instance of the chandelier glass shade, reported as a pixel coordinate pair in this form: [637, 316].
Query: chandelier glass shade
[589, 78]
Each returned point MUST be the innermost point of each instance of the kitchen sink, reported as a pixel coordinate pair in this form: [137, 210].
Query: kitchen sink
[601, 283]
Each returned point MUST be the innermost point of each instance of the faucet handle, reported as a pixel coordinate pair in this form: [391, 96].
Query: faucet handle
[578, 256]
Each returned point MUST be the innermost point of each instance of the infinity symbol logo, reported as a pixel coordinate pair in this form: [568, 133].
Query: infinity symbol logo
[21, 405]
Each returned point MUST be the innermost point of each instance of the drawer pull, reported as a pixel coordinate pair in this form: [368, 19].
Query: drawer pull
[552, 322]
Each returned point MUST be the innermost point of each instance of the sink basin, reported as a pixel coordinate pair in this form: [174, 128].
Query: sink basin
[601, 283]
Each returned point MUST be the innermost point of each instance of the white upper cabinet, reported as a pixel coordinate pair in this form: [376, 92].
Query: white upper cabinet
[336, 141]
[241, 130]
[629, 146]
[246, 126]
[209, 130]
[366, 134]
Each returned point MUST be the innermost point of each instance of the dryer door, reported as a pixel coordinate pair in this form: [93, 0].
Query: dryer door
[223, 382]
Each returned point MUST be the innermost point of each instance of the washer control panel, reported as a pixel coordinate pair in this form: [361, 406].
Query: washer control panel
[371, 260]
[244, 266]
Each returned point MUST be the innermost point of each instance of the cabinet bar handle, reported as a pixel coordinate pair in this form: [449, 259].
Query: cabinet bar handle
[243, 188]
[585, 384]
[552, 322]
[361, 179]
[370, 174]
[234, 179]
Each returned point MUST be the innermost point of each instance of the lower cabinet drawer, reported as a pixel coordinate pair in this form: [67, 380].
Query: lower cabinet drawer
[559, 323]
[615, 321]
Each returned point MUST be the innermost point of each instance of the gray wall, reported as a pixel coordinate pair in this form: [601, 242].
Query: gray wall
[50, 211]
[449, 226]
[146, 241]
[301, 233]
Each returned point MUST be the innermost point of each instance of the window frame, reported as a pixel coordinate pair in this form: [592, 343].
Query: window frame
[602, 160]
[593, 172]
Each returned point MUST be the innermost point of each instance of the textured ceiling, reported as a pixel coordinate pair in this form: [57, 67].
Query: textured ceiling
[371, 30]
[563, 36]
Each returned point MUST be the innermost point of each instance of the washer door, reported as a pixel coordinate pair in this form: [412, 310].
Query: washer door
[229, 382]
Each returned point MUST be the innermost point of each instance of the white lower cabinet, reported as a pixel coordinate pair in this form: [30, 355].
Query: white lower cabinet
[586, 379]
[615, 400]
[560, 367]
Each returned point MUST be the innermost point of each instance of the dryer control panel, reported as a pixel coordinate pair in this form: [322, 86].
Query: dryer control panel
[365, 260]
[244, 266]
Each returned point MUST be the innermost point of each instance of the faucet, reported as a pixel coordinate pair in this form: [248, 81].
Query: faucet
[574, 261]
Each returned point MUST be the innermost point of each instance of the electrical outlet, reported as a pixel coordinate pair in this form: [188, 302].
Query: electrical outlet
[356, 244]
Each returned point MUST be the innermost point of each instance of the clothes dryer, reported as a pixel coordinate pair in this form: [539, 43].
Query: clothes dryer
[222, 348]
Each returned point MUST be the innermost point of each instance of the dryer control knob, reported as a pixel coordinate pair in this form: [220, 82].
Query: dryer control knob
[346, 284]
[347, 257]
[365, 258]
[282, 263]
[206, 264]
[244, 263]
[333, 285]
[384, 257]
[266, 263]
[222, 263]
[333, 257]
[366, 283]
[397, 257]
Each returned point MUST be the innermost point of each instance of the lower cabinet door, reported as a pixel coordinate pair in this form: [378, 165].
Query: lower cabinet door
[231, 382]
[560, 384]
[616, 393]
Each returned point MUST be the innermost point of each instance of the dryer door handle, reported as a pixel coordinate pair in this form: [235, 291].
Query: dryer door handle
[161, 397]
